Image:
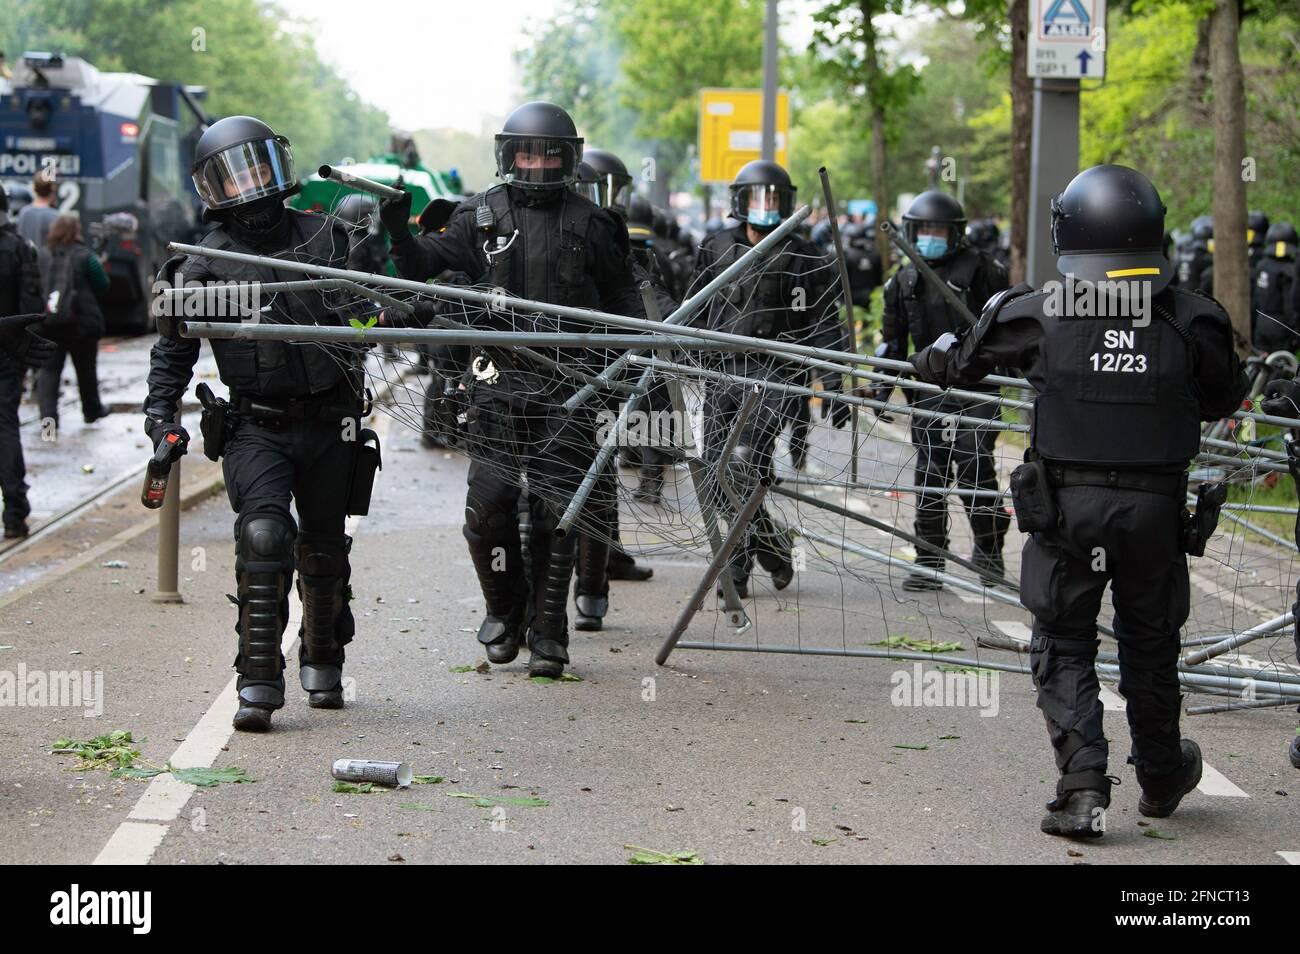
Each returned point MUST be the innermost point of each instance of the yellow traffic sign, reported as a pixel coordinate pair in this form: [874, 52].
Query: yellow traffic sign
[731, 131]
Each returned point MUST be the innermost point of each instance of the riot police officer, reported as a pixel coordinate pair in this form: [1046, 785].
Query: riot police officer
[789, 295]
[535, 238]
[1276, 293]
[1196, 254]
[935, 224]
[1120, 395]
[1257, 226]
[20, 348]
[291, 430]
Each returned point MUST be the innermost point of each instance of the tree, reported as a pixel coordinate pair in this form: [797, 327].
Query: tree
[848, 30]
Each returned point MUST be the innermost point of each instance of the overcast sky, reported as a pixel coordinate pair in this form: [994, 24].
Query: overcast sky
[439, 63]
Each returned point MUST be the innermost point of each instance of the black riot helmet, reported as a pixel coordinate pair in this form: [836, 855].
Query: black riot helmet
[935, 210]
[1256, 229]
[357, 210]
[1202, 229]
[984, 234]
[1281, 240]
[538, 147]
[603, 179]
[762, 195]
[1109, 225]
[641, 212]
[239, 160]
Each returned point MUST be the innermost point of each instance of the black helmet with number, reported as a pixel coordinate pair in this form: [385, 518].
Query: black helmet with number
[936, 210]
[538, 147]
[762, 195]
[239, 160]
[1109, 225]
[603, 179]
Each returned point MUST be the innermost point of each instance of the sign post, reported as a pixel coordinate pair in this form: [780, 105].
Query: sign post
[731, 131]
[1067, 43]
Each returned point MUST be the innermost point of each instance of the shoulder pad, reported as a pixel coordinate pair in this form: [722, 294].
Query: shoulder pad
[993, 308]
[1190, 304]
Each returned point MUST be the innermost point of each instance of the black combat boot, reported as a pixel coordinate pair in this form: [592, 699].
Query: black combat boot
[501, 631]
[923, 582]
[264, 573]
[548, 636]
[1079, 808]
[591, 585]
[327, 624]
[1162, 793]
[772, 550]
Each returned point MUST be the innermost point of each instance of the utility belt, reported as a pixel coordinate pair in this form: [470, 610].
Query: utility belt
[221, 418]
[335, 405]
[1035, 482]
[1166, 485]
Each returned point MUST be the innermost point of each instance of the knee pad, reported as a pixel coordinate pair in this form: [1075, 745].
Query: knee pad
[265, 543]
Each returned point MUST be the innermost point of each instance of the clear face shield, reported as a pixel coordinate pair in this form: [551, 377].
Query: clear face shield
[245, 172]
[537, 162]
[763, 205]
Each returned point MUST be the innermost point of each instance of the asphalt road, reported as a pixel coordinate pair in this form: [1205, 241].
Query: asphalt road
[739, 757]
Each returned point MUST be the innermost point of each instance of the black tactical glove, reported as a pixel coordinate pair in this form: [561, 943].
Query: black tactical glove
[159, 429]
[1282, 398]
[395, 214]
[19, 342]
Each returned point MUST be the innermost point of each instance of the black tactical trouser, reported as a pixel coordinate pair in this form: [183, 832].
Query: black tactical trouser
[309, 463]
[509, 438]
[1131, 539]
[798, 411]
[948, 452]
[598, 535]
[13, 472]
[750, 462]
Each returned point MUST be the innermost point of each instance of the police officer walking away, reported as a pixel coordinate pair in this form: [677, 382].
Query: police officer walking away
[936, 224]
[535, 238]
[790, 295]
[1276, 292]
[20, 348]
[1116, 420]
[291, 431]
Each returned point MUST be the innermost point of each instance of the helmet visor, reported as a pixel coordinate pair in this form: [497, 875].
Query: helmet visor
[537, 162]
[244, 172]
[615, 192]
[762, 204]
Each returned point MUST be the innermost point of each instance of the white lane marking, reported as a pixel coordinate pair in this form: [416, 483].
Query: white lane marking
[1015, 629]
[1213, 782]
[1111, 701]
[1290, 857]
[135, 840]
[132, 843]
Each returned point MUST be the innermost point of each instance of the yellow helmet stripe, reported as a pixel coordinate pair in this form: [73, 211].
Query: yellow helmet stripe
[1130, 272]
